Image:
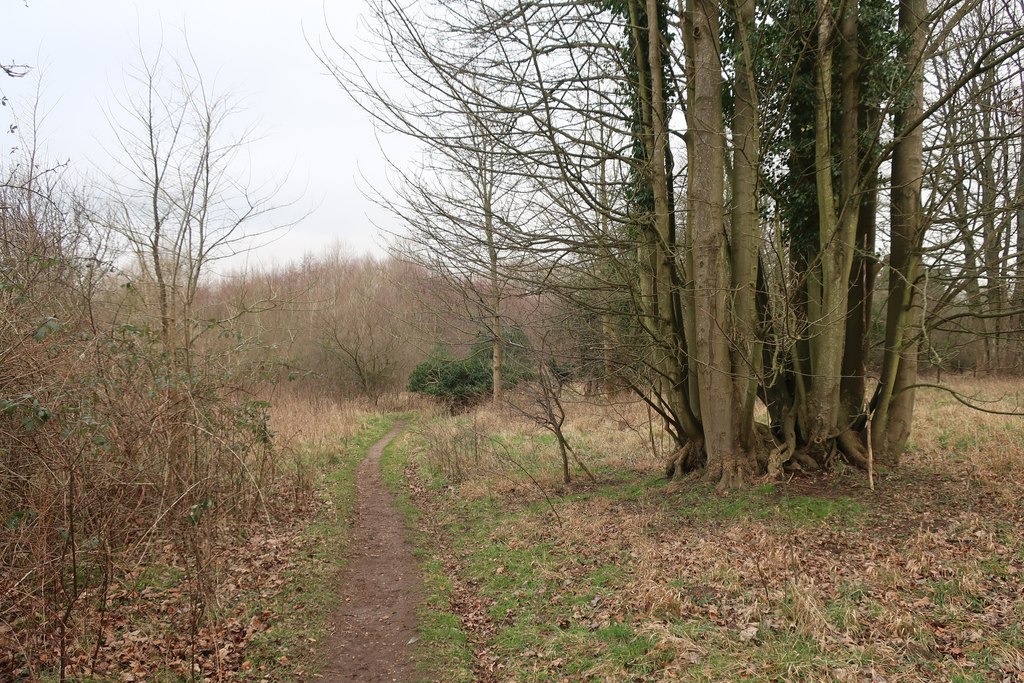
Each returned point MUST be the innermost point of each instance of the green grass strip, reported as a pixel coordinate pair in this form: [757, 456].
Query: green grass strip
[442, 647]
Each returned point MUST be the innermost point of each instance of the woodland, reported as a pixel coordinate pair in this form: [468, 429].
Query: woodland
[702, 336]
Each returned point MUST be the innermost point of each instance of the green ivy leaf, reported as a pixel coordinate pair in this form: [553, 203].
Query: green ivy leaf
[20, 518]
[195, 513]
[49, 326]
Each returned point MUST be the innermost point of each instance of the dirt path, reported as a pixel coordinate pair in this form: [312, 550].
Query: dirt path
[380, 588]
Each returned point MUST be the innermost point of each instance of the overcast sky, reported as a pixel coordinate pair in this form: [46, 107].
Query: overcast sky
[313, 139]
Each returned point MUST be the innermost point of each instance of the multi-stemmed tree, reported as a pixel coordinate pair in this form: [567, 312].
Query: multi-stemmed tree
[713, 175]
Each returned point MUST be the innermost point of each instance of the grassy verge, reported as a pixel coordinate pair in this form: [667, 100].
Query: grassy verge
[299, 613]
[638, 579]
[442, 649]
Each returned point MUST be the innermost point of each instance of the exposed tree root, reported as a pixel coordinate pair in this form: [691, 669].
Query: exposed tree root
[805, 460]
[730, 474]
[771, 458]
[853, 450]
[787, 450]
[690, 458]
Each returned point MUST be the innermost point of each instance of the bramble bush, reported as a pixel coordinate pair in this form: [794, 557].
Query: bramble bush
[117, 450]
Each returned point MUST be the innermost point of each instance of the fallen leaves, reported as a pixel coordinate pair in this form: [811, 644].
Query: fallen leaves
[924, 584]
[163, 618]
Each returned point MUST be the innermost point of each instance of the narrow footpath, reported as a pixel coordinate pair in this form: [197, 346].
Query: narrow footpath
[380, 589]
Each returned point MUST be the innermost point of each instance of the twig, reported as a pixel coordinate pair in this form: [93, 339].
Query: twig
[871, 457]
[536, 483]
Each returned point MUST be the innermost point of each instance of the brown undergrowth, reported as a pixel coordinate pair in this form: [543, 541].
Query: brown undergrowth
[191, 592]
[813, 578]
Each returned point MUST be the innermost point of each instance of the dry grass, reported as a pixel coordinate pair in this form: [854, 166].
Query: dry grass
[818, 579]
[313, 421]
[317, 419]
[991, 444]
[502, 451]
[487, 447]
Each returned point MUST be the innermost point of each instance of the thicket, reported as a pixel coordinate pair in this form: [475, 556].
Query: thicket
[338, 324]
[134, 436]
[458, 382]
[114, 452]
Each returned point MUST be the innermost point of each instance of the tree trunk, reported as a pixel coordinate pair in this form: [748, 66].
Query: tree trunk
[706, 238]
[837, 224]
[892, 420]
[661, 290]
[1018, 279]
[746, 233]
[857, 195]
[497, 338]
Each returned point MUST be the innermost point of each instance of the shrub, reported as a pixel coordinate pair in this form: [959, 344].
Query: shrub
[459, 383]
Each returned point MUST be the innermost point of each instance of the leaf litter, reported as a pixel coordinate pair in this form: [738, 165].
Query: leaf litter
[925, 583]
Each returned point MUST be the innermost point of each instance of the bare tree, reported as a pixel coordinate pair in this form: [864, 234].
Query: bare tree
[358, 323]
[760, 283]
[973, 163]
[458, 202]
[178, 199]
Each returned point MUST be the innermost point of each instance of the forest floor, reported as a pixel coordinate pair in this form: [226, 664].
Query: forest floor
[515, 576]
[635, 578]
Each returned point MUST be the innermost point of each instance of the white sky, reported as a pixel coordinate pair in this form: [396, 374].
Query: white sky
[315, 140]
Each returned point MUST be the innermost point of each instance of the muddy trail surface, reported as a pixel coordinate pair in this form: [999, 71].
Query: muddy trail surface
[380, 589]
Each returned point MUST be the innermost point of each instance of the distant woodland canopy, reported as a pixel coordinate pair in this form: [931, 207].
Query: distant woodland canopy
[797, 201]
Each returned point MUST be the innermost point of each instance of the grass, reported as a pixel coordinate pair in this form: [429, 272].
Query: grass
[700, 504]
[637, 578]
[159, 576]
[442, 644]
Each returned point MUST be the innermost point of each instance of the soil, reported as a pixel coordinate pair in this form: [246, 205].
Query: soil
[380, 590]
